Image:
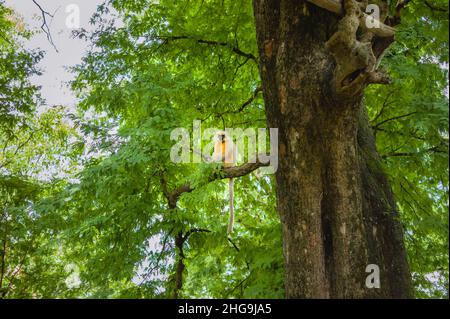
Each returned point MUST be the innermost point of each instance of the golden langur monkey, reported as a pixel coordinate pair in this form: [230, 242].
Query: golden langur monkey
[225, 151]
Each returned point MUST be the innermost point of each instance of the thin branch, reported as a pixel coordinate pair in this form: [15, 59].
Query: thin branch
[234, 245]
[16, 151]
[233, 48]
[413, 189]
[385, 104]
[434, 149]
[245, 104]
[432, 7]
[238, 68]
[410, 135]
[158, 260]
[251, 99]
[238, 285]
[6, 39]
[44, 27]
[396, 18]
[19, 267]
[392, 119]
[194, 230]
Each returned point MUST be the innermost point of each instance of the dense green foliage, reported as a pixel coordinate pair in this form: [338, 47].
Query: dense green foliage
[83, 211]
[34, 148]
[410, 120]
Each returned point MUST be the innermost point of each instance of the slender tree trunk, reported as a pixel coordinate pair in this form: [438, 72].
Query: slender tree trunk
[179, 241]
[336, 207]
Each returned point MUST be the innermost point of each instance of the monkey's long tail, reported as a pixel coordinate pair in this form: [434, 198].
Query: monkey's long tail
[231, 194]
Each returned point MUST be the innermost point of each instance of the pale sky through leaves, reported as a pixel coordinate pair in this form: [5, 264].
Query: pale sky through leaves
[89, 180]
[55, 75]
[70, 50]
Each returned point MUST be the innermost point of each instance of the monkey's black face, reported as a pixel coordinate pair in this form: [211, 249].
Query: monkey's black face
[222, 137]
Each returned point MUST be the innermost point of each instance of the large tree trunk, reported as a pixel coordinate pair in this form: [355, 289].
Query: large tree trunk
[337, 210]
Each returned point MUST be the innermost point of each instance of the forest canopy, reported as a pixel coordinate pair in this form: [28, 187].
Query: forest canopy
[91, 204]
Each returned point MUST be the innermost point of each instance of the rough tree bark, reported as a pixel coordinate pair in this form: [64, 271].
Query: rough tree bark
[337, 210]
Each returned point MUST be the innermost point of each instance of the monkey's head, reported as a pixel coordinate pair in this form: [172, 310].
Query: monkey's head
[221, 136]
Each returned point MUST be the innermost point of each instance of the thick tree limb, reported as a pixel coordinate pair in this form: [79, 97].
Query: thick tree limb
[180, 266]
[245, 104]
[434, 149]
[180, 239]
[378, 77]
[230, 172]
[334, 6]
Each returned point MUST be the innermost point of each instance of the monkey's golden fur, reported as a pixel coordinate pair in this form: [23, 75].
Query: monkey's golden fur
[225, 151]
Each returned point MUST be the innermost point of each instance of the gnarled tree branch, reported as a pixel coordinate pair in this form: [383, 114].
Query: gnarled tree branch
[352, 78]
[336, 6]
[229, 172]
[351, 46]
